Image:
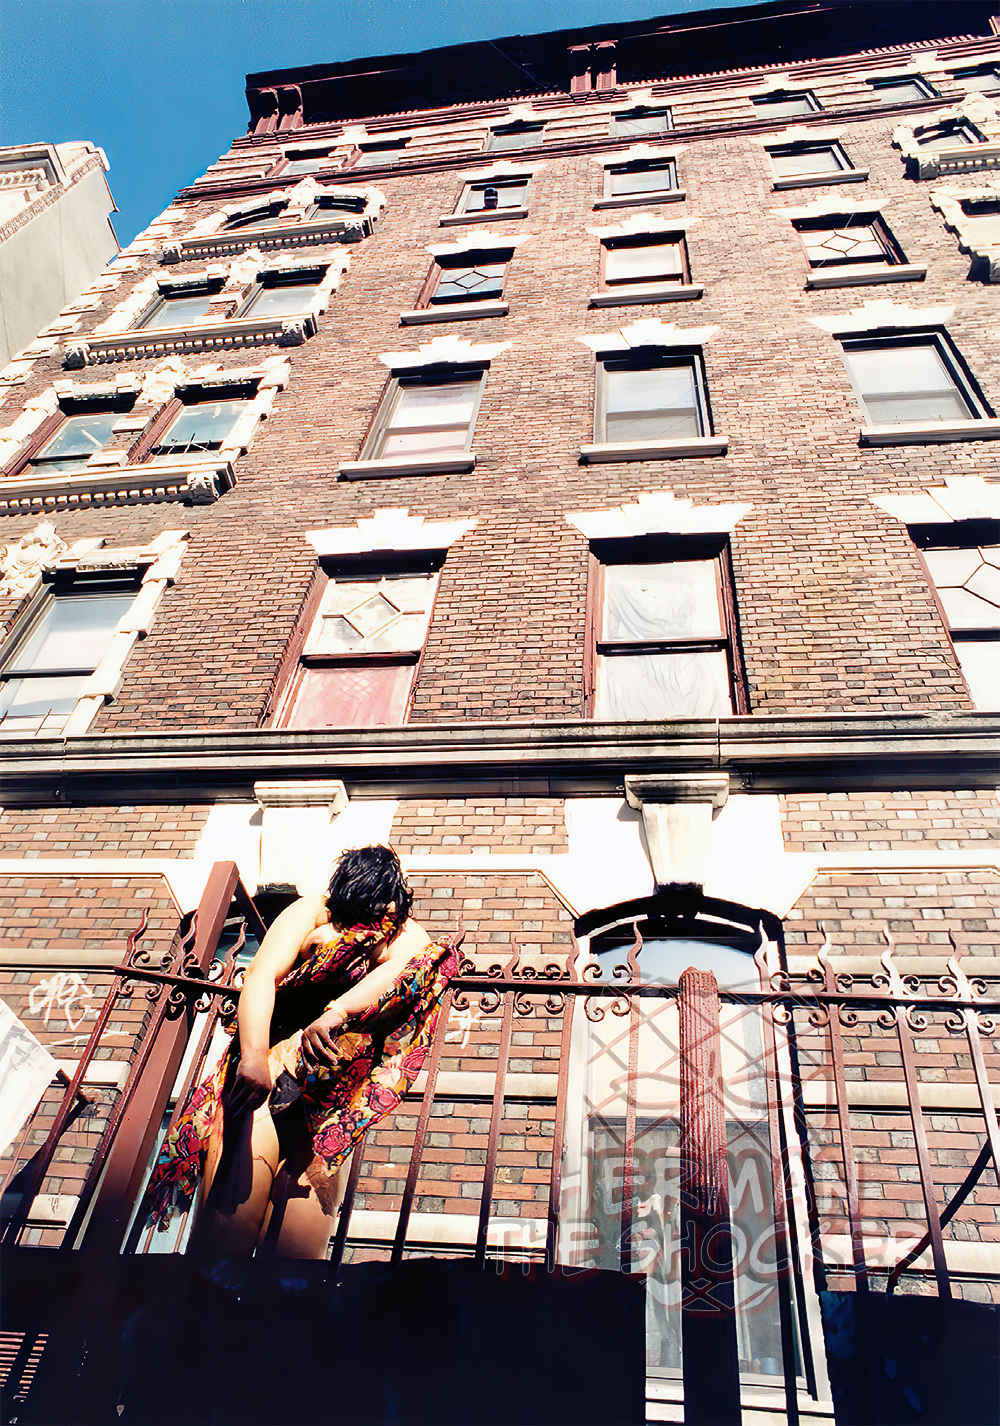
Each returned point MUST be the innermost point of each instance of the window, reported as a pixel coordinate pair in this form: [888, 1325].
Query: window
[651, 396]
[199, 429]
[68, 450]
[496, 194]
[663, 635]
[640, 177]
[947, 136]
[360, 656]
[838, 240]
[268, 217]
[795, 160]
[305, 161]
[900, 91]
[423, 414]
[979, 79]
[911, 378]
[65, 637]
[471, 277]
[514, 136]
[963, 563]
[387, 152]
[180, 308]
[638, 122]
[283, 294]
[643, 259]
[786, 106]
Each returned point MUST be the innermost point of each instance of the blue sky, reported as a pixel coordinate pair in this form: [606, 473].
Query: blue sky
[158, 84]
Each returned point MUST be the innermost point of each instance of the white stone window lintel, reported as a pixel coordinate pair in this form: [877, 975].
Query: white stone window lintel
[389, 529]
[657, 512]
[650, 332]
[883, 315]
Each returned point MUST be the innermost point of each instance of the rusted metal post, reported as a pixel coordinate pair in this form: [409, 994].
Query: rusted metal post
[708, 1312]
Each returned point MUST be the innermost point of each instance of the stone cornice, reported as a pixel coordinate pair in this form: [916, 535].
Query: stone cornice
[223, 335]
[762, 754]
[198, 483]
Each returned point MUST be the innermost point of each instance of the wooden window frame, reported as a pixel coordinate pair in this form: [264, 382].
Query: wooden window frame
[479, 184]
[676, 239]
[347, 569]
[642, 111]
[422, 376]
[151, 437]
[301, 277]
[841, 222]
[960, 535]
[475, 257]
[962, 378]
[649, 359]
[644, 165]
[666, 549]
[833, 146]
[44, 433]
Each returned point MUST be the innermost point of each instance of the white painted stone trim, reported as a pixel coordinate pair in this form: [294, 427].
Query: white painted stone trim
[453, 351]
[611, 451]
[883, 1094]
[831, 207]
[972, 1259]
[459, 464]
[634, 295]
[477, 238]
[882, 315]
[448, 1230]
[649, 332]
[392, 528]
[503, 168]
[642, 223]
[961, 497]
[820, 180]
[635, 200]
[866, 275]
[195, 483]
[24, 426]
[639, 153]
[799, 134]
[453, 312]
[657, 512]
[979, 113]
[916, 433]
[215, 335]
[495, 215]
[949, 203]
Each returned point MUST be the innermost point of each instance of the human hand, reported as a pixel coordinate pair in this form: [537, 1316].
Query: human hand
[317, 1039]
[251, 1086]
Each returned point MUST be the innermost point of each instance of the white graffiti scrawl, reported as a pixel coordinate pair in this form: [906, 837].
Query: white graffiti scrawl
[64, 993]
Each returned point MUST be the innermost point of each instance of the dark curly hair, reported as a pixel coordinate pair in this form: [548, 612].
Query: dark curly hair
[364, 882]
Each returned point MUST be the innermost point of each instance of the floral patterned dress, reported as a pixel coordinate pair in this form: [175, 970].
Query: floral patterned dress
[378, 1055]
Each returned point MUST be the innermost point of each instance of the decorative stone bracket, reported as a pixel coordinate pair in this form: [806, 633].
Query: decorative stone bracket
[294, 817]
[677, 813]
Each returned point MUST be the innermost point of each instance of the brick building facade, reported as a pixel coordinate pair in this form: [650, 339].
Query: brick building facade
[582, 474]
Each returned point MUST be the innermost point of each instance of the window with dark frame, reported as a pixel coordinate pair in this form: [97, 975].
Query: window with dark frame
[640, 122]
[514, 136]
[651, 396]
[795, 160]
[426, 413]
[622, 180]
[787, 105]
[916, 377]
[381, 152]
[303, 161]
[663, 638]
[362, 646]
[954, 133]
[283, 294]
[269, 217]
[65, 441]
[494, 194]
[962, 561]
[644, 258]
[900, 91]
[58, 646]
[180, 307]
[979, 78]
[471, 276]
[196, 427]
[840, 239]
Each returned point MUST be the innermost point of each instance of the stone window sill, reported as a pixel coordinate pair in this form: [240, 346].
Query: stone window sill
[495, 215]
[350, 228]
[198, 483]
[867, 275]
[607, 451]
[918, 433]
[453, 312]
[632, 200]
[636, 295]
[459, 463]
[820, 180]
[197, 337]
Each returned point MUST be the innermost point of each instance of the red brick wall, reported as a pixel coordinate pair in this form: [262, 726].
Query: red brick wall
[152, 831]
[884, 821]
[497, 825]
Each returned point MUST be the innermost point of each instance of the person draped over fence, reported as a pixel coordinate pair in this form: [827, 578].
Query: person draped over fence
[337, 1012]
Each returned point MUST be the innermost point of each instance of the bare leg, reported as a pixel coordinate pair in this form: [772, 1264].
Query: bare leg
[306, 1226]
[236, 1188]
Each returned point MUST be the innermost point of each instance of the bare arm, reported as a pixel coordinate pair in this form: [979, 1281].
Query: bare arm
[277, 954]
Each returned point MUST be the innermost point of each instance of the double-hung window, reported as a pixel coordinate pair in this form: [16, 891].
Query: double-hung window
[71, 445]
[641, 177]
[514, 136]
[900, 91]
[651, 396]
[786, 105]
[494, 195]
[359, 659]
[640, 122]
[663, 641]
[807, 159]
[643, 259]
[426, 414]
[198, 431]
[963, 562]
[840, 240]
[179, 308]
[52, 655]
[915, 377]
[284, 294]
